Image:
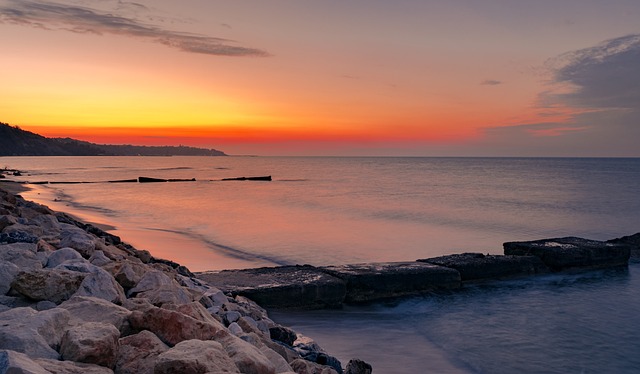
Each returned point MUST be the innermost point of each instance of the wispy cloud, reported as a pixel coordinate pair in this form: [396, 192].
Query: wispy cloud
[604, 76]
[594, 95]
[490, 82]
[57, 16]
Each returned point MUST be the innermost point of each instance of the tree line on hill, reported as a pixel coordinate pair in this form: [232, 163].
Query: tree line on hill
[17, 142]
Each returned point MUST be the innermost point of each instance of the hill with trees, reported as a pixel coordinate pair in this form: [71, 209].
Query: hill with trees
[17, 142]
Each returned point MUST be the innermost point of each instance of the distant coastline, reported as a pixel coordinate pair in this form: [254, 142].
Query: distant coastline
[17, 142]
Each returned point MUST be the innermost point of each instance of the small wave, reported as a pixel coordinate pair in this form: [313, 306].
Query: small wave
[177, 168]
[227, 250]
[292, 180]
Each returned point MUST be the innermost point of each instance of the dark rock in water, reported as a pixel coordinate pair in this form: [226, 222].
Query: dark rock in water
[476, 266]
[633, 241]
[571, 252]
[324, 359]
[368, 282]
[283, 334]
[281, 287]
[356, 366]
[150, 180]
[265, 178]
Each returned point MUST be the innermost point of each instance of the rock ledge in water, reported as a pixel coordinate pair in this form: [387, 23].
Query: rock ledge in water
[572, 252]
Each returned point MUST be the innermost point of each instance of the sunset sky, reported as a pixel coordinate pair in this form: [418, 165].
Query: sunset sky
[401, 77]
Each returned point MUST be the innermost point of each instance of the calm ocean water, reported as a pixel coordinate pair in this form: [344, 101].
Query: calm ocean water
[346, 210]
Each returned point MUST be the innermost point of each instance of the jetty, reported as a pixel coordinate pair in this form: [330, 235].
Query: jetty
[313, 287]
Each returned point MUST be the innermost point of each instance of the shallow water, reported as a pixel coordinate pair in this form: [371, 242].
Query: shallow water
[346, 210]
[563, 323]
[342, 210]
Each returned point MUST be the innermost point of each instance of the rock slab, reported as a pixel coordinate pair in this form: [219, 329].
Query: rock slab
[375, 281]
[572, 252]
[477, 266]
[282, 287]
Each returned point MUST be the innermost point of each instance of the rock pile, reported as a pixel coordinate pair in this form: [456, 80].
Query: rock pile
[75, 299]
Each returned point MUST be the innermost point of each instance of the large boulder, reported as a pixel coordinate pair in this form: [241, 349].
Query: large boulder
[12, 362]
[283, 334]
[37, 334]
[98, 282]
[477, 266]
[195, 357]
[63, 255]
[160, 289]
[78, 239]
[247, 358]
[92, 343]
[172, 327]
[7, 220]
[55, 285]
[92, 309]
[22, 255]
[138, 353]
[127, 273]
[374, 281]
[571, 252]
[8, 273]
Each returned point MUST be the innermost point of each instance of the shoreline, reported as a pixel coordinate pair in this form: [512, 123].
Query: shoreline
[98, 301]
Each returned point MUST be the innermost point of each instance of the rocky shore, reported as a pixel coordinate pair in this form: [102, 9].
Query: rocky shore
[76, 299]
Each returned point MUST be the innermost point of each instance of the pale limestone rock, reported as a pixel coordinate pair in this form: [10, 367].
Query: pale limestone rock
[160, 289]
[55, 285]
[138, 353]
[70, 367]
[78, 239]
[92, 343]
[8, 273]
[12, 362]
[63, 255]
[195, 356]
[246, 357]
[92, 309]
[301, 366]
[98, 258]
[281, 365]
[173, 327]
[22, 255]
[37, 334]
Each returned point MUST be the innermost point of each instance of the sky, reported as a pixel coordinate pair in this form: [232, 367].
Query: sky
[352, 78]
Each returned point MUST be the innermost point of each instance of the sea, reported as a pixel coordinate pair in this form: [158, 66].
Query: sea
[337, 210]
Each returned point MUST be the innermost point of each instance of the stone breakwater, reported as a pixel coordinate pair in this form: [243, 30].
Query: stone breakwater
[76, 299]
[310, 287]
